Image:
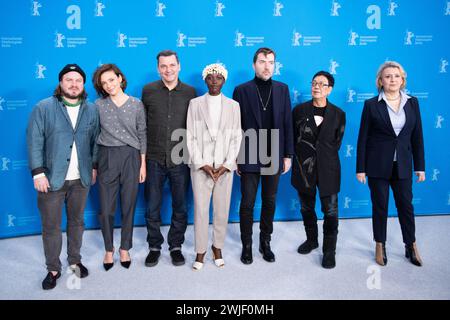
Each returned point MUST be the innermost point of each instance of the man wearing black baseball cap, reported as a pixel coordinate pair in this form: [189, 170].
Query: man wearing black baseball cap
[62, 152]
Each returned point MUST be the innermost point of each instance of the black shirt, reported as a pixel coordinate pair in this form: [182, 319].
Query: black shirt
[266, 95]
[166, 111]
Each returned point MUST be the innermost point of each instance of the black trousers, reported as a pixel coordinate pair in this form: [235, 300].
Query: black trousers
[249, 188]
[379, 193]
[329, 207]
[118, 171]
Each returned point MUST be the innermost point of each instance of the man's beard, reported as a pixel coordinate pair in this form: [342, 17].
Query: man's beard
[71, 96]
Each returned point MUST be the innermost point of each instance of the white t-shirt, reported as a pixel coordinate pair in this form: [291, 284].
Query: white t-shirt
[73, 173]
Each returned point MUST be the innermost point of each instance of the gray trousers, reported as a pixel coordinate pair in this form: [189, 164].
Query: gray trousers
[203, 187]
[118, 170]
[50, 205]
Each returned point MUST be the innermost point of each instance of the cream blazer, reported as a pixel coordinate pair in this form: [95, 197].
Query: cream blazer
[203, 147]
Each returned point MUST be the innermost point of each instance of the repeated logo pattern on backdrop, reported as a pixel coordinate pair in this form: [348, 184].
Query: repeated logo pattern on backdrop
[348, 38]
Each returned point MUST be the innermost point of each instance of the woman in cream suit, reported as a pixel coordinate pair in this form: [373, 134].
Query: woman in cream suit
[213, 140]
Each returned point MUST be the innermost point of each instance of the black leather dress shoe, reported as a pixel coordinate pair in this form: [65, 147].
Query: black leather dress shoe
[80, 270]
[246, 256]
[50, 281]
[152, 258]
[264, 248]
[177, 258]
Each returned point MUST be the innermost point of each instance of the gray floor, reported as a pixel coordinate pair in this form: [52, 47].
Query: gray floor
[292, 276]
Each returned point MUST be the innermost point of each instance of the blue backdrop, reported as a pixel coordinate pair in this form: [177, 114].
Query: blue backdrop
[347, 37]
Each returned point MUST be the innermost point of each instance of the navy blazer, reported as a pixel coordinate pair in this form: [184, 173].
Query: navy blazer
[377, 141]
[251, 118]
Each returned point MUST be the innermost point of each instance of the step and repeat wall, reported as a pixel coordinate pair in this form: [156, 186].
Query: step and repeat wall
[349, 38]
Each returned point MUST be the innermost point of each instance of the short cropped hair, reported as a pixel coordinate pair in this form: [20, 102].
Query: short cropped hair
[265, 51]
[167, 53]
[327, 75]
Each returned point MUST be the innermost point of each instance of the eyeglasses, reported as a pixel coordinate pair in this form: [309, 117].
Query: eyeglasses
[320, 84]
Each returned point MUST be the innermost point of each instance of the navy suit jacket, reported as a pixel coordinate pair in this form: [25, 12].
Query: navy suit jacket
[251, 118]
[377, 141]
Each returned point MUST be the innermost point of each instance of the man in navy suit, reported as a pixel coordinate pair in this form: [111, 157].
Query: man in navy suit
[266, 150]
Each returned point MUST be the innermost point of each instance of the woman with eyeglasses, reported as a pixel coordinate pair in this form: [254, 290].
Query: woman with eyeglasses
[390, 140]
[318, 130]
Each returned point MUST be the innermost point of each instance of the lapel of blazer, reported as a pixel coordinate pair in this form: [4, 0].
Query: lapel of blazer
[382, 109]
[205, 114]
[224, 114]
[276, 107]
[254, 104]
[310, 122]
[408, 111]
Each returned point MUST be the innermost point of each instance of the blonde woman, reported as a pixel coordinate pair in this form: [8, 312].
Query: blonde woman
[390, 140]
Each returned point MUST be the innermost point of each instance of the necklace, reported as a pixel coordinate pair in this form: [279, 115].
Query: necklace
[393, 99]
[268, 99]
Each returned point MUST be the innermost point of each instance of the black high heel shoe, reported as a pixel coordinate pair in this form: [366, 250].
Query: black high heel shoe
[412, 254]
[109, 265]
[126, 264]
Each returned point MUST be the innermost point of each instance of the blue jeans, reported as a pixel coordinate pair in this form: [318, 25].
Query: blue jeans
[179, 180]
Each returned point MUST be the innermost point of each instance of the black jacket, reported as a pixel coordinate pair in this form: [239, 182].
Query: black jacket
[316, 162]
[247, 97]
[377, 141]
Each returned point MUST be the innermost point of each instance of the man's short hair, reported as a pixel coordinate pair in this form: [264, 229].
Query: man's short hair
[265, 51]
[167, 53]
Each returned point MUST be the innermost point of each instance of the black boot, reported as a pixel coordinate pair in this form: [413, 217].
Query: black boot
[412, 254]
[264, 248]
[246, 256]
[329, 252]
[311, 242]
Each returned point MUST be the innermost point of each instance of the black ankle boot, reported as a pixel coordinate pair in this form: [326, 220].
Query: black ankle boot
[329, 252]
[264, 248]
[311, 242]
[246, 256]
[412, 254]
[384, 254]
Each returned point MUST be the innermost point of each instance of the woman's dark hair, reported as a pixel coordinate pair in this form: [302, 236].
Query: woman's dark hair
[96, 79]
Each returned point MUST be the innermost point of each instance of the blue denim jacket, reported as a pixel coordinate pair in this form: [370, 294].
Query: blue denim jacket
[50, 137]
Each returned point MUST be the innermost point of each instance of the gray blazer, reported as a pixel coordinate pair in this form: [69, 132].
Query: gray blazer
[206, 149]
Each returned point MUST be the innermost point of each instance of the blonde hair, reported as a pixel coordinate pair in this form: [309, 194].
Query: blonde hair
[390, 64]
